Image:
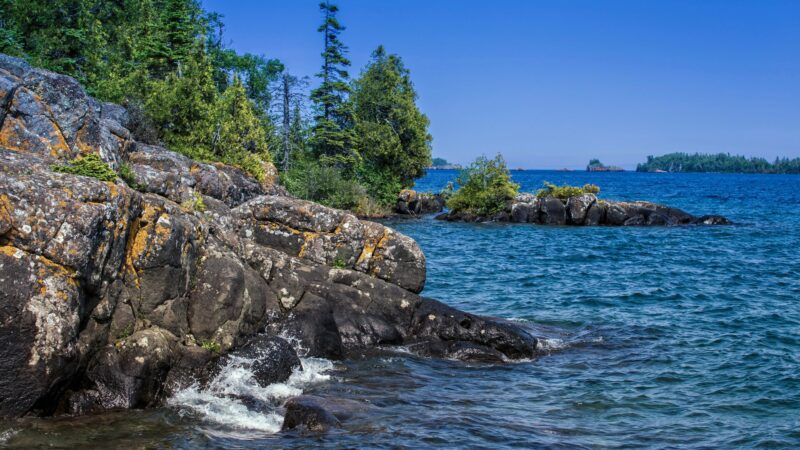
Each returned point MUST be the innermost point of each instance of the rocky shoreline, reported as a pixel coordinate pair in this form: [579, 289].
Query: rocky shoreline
[582, 210]
[116, 297]
[587, 210]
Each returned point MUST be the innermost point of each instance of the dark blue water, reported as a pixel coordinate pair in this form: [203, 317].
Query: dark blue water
[656, 337]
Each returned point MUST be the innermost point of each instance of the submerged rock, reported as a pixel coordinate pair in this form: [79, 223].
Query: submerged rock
[587, 209]
[113, 297]
[309, 412]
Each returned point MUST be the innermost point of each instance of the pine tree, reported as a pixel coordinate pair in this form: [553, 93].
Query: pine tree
[393, 134]
[332, 135]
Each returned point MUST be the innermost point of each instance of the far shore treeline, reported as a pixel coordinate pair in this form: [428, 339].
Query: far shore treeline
[720, 162]
[351, 144]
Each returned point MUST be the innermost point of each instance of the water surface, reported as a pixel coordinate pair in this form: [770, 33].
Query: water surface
[655, 337]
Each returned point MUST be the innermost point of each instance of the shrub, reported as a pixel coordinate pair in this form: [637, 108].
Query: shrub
[195, 204]
[485, 187]
[211, 346]
[89, 166]
[325, 184]
[566, 191]
[128, 177]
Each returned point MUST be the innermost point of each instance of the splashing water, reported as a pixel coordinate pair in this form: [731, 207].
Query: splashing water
[235, 401]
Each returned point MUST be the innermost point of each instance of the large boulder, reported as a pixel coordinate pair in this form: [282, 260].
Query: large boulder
[114, 295]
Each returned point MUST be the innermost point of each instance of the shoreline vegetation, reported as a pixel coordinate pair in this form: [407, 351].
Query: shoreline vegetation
[353, 143]
[487, 194]
[719, 162]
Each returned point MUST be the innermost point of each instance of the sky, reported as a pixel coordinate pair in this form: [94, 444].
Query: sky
[552, 84]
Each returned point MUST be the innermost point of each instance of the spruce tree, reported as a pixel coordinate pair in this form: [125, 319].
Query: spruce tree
[393, 133]
[332, 134]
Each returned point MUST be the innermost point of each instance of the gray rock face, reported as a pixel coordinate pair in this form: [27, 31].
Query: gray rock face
[112, 296]
[414, 203]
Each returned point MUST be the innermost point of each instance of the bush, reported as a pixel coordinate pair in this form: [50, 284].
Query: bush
[485, 188]
[566, 191]
[211, 346]
[321, 183]
[89, 166]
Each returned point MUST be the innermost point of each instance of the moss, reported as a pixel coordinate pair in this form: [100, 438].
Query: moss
[210, 345]
[566, 191]
[89, 166]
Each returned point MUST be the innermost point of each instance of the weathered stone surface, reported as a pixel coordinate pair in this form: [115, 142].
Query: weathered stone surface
[410, 202]
[113, 297]
[578, 207]
[586, 209]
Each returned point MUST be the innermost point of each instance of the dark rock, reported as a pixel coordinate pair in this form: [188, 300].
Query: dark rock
[552, 211]
[271, 359]
[410, 202]
[114, 297]
[578, 207]
[308, 412]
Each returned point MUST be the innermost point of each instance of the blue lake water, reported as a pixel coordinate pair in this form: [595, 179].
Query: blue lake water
[656, 337]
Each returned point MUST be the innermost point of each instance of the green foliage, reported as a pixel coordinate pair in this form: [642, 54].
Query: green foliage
[339, 262]
[332, 134]
[125, 333]
[89, 166]
[720, 162]
[211, 345]
[485, 187]
[439, 162]
[195, 204]
[566, 191]
[323, 183]
[128, 177]
[393, 138]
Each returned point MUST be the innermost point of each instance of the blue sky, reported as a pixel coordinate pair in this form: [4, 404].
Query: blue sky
[551, 84]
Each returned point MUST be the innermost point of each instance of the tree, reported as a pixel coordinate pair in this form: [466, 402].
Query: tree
[332, 136]
[392, 132]
[485, 188]
[288, 97]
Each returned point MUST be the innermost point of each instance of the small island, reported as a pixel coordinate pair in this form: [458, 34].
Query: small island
[720, 162]
[487, 194]
[596, 166]
[443, 164]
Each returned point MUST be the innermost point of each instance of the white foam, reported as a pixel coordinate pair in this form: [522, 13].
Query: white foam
[7, 434]
[220, 401]
[551, 344]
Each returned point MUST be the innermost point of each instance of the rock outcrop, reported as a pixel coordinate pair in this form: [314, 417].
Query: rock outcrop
[413, 203]
[586, 209]
[113, 296]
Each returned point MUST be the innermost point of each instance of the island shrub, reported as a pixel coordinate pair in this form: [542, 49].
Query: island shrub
[89, 166]
[485, 188]
[566, 191]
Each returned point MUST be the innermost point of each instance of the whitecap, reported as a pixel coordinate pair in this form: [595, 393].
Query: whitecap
[223, 400]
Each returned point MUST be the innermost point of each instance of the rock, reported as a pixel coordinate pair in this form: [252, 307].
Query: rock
[552, 211]
[410, 202]
[578, 207]
[308, 412]
[113, 297]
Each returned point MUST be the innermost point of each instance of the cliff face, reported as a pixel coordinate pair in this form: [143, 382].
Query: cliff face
[112, 296]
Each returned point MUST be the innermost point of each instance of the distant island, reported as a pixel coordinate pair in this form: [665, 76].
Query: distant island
[443, 164]
[720, 162]
[596, 166]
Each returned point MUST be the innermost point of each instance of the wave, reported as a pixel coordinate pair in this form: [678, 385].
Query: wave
[236, 401]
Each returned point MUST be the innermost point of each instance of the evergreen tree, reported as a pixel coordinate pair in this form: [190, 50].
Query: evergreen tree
[393, 137]
[332, 135]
